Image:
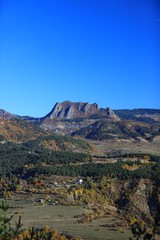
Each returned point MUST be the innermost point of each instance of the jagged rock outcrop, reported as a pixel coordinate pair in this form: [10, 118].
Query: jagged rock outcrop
[72, 110]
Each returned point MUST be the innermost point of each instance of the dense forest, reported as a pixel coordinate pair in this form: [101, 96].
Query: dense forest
[15, 156]
[31, 159]
[113, 170]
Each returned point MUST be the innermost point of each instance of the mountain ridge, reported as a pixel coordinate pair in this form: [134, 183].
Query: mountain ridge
[139, 114]
[82, 119]
[128, 114]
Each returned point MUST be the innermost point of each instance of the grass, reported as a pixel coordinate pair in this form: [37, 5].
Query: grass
[62, 218]
[126, 146]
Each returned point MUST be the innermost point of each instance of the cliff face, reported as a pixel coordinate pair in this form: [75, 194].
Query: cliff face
[72, 110]
[138, 198]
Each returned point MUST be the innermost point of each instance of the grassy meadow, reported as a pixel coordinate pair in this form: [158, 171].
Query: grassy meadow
[63, 218]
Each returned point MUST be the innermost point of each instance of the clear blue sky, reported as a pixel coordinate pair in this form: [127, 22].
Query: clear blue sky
[103, 51]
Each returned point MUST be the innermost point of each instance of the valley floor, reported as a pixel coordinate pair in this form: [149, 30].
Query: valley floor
[63, 218]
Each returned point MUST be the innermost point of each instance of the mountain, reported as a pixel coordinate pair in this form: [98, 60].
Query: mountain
[140, 114]
[68, 110]
[82, 119]
[91, 122]
[126, 129]
[17, 130]
[67, 117]
[7, 115]
[74, 110]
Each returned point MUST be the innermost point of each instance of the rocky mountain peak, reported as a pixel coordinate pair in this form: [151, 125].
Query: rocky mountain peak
[72, 110]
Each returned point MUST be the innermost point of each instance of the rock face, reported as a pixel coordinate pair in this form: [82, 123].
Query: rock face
[137, 197]
[72, 110]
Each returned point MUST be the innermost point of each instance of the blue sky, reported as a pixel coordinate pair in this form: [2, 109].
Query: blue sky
[100, 51]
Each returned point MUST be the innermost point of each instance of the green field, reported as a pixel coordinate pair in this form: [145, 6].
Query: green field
[63, 219]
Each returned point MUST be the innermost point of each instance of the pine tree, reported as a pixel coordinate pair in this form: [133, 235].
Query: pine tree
[6, 230]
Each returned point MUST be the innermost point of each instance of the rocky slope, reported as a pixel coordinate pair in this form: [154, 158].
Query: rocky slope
[139, 197]
[74, 110]
[7, 115]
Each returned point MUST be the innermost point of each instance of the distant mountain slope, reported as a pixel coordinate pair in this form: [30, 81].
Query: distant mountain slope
[140, 114]
[17, 130]
[105, 129]
[6, 114]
